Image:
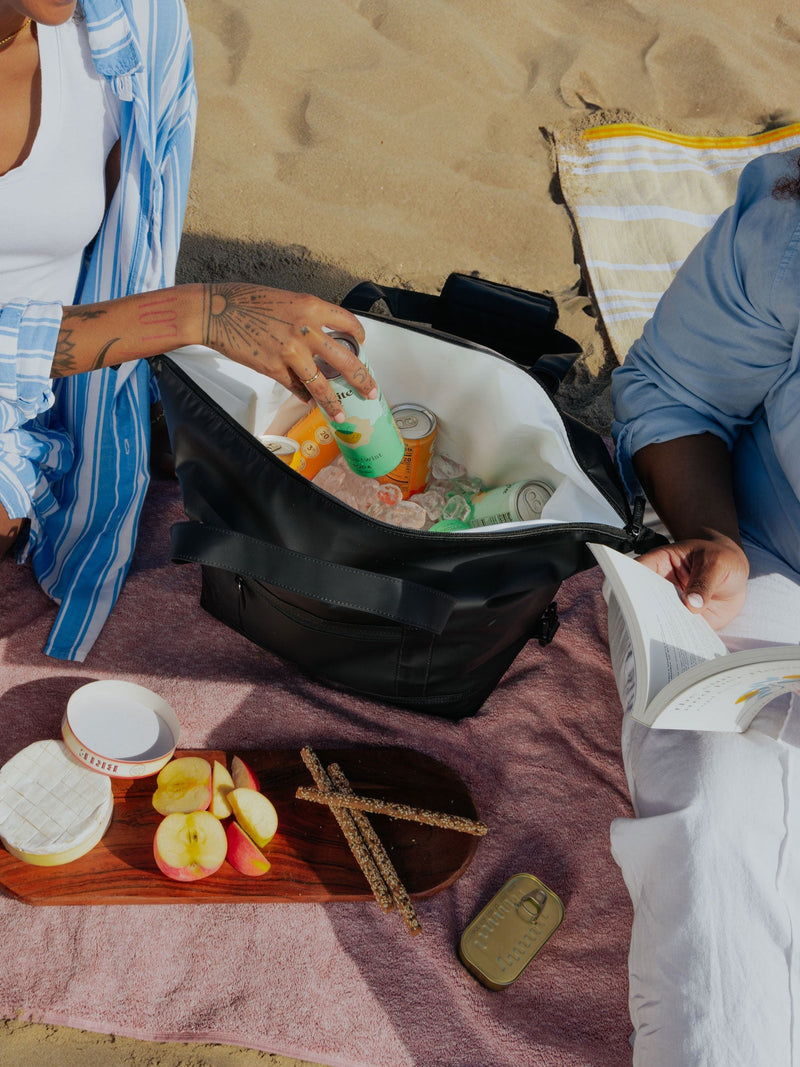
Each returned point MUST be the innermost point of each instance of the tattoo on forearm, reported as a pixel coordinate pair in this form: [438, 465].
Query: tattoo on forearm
[65, 360]
[66, 357]
[101, 359]
[235, 315]
[159, 316]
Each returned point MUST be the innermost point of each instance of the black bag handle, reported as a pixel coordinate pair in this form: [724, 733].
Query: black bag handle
[515, 322]
[401, 601]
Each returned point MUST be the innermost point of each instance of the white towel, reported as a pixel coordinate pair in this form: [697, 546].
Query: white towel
[641, 199]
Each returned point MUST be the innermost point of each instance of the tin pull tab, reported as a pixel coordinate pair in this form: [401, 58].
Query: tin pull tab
[531, 905]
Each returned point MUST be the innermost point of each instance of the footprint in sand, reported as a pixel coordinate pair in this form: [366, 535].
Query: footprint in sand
[233, 31]
[374, 11]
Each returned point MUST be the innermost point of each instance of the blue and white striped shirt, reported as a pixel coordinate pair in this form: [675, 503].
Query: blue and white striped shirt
[74, 455]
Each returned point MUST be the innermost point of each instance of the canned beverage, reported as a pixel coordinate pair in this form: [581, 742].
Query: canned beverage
[282, 447]
[517, 502]
[316, 443]
[417, 426]
[508, 932]
[368, 438]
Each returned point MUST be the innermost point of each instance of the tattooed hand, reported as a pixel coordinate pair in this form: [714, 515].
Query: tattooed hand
[279, 333]
[275, 332]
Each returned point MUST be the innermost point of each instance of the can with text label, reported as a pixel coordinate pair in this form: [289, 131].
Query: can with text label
[518, 502]
[417, 426]
[368, 438]
[315, 441]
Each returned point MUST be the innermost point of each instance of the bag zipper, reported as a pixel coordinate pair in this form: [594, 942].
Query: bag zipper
[619, 535]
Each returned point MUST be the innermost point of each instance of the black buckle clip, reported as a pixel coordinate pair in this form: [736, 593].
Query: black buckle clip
[547, 625]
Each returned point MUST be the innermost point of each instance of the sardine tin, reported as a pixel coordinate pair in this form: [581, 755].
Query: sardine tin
[510, 930]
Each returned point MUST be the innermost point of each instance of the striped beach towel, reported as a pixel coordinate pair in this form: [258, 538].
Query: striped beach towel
[641, 199]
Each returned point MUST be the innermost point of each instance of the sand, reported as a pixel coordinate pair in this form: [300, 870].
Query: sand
[400, 140]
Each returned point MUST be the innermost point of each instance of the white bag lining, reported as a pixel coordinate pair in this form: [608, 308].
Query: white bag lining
[493, 417]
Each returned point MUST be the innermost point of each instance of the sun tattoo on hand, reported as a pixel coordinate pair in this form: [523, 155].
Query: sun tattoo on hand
[236, 316]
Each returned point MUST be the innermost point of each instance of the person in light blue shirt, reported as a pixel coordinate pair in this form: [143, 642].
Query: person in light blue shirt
[74, 445]
[707, 422]
[706, 404]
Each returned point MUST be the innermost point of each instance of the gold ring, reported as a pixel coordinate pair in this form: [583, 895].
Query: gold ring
[308, 381]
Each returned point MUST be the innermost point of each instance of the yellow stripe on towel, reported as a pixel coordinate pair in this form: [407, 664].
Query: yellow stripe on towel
[641, 199]
[626, 129]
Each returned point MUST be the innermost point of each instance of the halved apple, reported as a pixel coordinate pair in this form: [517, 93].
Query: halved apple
[243, 775]
[188, 846]
[244, 854]
[255, 813]
[183, 786]
[221, 785]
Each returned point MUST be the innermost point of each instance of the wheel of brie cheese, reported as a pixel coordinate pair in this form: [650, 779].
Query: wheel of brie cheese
[53, 809]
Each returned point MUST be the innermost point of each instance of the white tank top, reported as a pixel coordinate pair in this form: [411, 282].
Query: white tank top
[51, 206]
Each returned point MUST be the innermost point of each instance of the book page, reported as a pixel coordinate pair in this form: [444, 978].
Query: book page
[730, 694]
[622, 658]
[667, 638]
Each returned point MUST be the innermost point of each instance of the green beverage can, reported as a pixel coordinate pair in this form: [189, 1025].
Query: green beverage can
[518, 502]
[368, 438]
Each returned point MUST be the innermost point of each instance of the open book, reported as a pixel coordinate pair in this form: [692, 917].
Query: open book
[671, 668]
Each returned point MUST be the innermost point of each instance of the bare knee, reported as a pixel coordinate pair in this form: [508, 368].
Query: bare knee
[9, 531]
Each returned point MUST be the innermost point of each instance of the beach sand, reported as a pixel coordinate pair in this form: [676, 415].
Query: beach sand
[400, 140]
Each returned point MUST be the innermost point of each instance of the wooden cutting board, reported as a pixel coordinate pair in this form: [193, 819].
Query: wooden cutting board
[311, 861]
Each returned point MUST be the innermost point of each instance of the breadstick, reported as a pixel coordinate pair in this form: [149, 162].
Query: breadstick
[348, 826]
[385, 866]
[395, 811]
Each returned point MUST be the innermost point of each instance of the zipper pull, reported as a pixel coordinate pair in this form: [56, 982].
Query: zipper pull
[636, 528]
[546, 625]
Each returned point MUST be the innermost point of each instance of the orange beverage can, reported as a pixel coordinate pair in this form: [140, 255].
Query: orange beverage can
[317, 447]
[417, 426]
[282, 447]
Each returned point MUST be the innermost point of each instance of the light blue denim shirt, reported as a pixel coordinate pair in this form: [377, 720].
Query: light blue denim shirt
[720, 355]
[74, 455]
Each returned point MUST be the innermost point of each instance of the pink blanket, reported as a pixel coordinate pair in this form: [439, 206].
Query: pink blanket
[341, 984]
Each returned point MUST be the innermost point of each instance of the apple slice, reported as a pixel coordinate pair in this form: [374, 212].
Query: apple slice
[243, 775]
[221, 785]
[188, 846]
[244, 854]
[183, 786]
[255, 813]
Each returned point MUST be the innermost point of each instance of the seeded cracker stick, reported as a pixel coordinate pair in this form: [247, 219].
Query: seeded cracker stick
[385, 865]
[351, 832]
[395, 811]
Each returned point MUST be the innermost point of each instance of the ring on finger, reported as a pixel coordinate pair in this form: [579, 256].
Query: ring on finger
[309, 381]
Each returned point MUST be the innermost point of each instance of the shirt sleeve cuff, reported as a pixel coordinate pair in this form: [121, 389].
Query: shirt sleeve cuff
[28, 336]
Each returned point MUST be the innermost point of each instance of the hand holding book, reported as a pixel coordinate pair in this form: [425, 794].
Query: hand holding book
[672, 670]
[710, 574]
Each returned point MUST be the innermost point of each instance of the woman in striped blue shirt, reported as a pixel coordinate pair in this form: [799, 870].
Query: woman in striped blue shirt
[96, 135]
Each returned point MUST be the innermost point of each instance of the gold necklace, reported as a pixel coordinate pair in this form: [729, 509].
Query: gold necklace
[16, 33]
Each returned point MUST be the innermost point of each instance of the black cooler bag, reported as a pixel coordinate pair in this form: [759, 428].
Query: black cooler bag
[427, 621]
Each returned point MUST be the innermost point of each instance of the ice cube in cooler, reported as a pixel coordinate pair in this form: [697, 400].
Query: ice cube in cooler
[444, 469]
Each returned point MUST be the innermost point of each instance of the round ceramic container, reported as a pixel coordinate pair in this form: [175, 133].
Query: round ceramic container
[120, 729]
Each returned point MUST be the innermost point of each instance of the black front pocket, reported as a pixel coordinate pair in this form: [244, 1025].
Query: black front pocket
[354, 654]
[373, 658]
